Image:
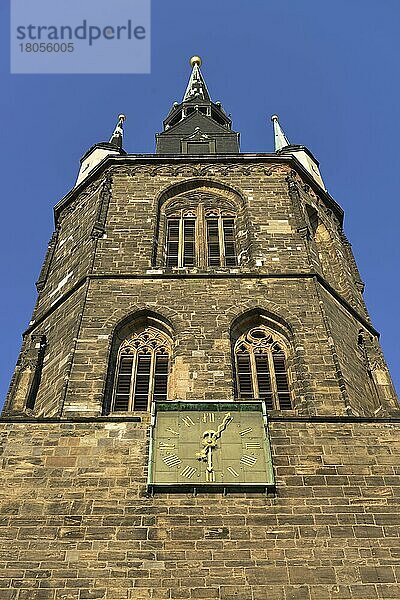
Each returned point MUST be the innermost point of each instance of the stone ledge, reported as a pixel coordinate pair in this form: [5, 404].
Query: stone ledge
[272, 418]
[133, 419]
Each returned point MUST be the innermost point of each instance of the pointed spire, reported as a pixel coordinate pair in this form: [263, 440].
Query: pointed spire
[99, 151]
[280, 138]
[197, 115]
[303, 155]
[118, 133]
[196, 89]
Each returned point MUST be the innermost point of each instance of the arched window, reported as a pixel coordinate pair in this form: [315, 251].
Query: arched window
[261, 368]
[221, 251]
[181, 240]
[201, 237]
[142, 369]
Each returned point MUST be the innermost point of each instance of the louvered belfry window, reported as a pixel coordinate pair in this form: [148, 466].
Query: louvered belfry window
[203, 238]
[221, 251]
[142, 371]
[261, 369]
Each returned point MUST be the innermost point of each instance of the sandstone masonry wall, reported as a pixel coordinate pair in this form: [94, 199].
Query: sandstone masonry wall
[76, 522]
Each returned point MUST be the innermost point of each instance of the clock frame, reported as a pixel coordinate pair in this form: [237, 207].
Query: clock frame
[214, 445]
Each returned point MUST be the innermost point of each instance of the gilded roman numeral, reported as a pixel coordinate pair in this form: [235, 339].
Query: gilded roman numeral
[172, 460]
[210, 476]
[233, 472]
[165, 446]
[245, 431]
[188, 472]
[253, 446]
[188, 421]
[247, 459]
[171, 430]
[208, 417]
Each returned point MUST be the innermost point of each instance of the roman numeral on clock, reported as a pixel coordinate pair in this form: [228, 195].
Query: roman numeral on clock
[210, 476]
[172, 460]
[188, 421]
[208, 417]
[245, 431]
[253, 445]
[247, 459]
[233, 472]
[172, 430]
[165, 446]
[188, 472]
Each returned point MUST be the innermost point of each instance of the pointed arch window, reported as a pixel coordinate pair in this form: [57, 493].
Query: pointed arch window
[181, 234]
[261, 370]
[221, 250]
[201, 237]
[142, 371]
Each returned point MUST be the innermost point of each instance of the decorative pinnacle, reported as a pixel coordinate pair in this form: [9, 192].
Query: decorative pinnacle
[195, 60]
[196, 89]
[281, 140]
[118, 132]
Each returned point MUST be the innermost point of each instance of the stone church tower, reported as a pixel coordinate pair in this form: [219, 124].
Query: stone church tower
[201, 408]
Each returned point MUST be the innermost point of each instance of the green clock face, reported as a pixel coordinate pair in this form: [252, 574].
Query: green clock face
[212, 444]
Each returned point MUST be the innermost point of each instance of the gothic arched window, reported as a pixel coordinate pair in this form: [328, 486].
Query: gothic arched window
[261, 370]
[221, 251]
[201, 237]
[142, 370]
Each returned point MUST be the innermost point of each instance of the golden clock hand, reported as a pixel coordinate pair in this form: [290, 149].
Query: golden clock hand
[209, 438]
[202, 455]
[225, 421]
[209, 442]
[209, 459]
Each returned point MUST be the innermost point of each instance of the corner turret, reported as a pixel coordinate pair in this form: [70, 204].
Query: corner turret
[99, 151]
[303, 154]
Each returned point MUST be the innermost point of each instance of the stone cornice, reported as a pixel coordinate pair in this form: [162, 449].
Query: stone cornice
[271, 418]
[242, 158]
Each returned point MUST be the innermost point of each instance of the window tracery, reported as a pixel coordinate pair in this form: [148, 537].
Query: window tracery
[201, 236]
[261, 370]
[142, 370]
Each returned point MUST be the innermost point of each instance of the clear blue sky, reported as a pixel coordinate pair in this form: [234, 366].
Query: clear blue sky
[329, 69]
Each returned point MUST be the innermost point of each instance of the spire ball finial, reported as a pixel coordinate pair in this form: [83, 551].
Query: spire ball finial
[274, 118]
[121, 118]
[195, 60]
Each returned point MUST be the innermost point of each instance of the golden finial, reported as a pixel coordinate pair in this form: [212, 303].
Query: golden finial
[121, 118]
[195, 60]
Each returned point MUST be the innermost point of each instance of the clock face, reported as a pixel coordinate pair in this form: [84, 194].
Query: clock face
[222, 444]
